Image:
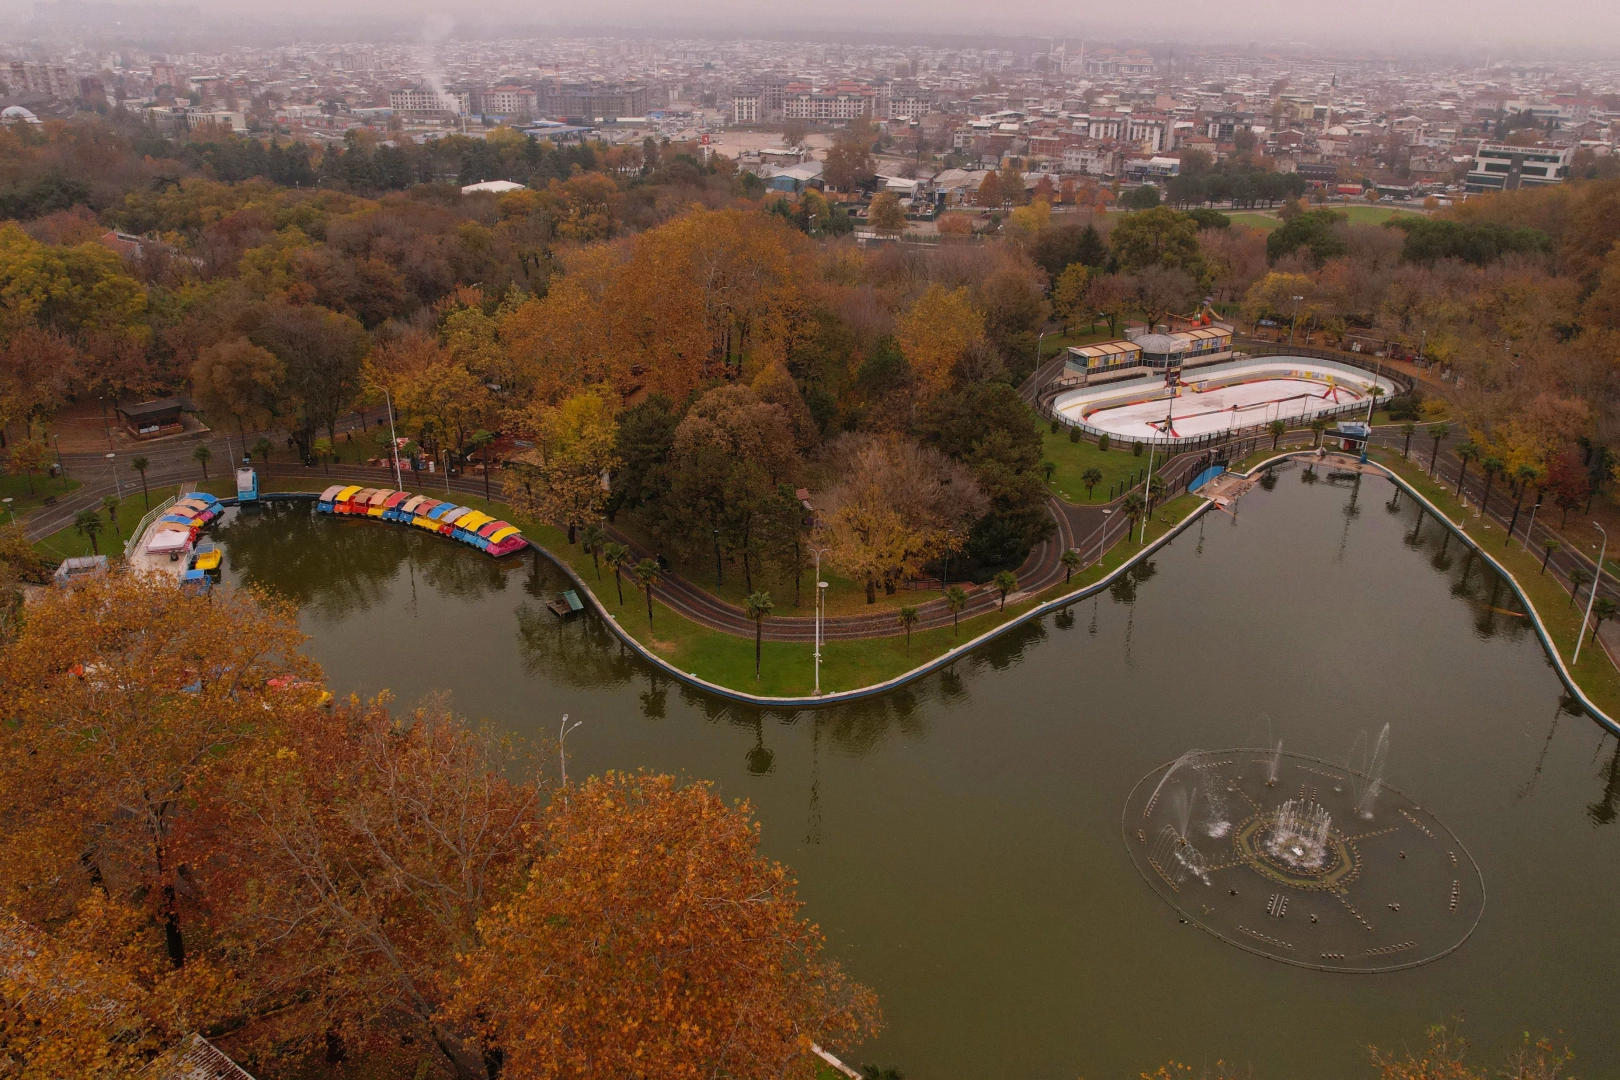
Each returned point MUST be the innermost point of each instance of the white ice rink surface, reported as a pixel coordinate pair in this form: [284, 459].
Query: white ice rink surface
[1244, 405]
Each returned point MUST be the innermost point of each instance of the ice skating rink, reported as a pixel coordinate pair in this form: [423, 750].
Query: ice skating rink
[1256, 392]
[1245, 405]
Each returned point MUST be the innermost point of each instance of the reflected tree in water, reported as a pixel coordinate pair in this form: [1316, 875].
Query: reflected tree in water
[580, 652]
[327, 570]
[1603, 811]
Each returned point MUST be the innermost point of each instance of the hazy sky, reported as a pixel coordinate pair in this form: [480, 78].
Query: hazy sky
[1460, 27]
[1380, 25]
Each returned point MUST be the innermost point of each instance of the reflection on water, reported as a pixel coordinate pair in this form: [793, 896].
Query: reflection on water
[958, 839]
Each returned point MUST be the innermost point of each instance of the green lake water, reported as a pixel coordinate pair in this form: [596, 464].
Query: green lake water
[959, 840]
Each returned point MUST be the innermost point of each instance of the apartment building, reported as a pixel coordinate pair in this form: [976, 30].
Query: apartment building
[49, 79]
[591, 100]
[425, 101]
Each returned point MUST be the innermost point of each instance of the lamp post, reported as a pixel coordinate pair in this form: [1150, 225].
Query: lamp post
[61, 466]
[820, 603]
[1597, 580]
[393, 438]
[1294, 319]
[1038, 340]
[114, 470]
[9, 509]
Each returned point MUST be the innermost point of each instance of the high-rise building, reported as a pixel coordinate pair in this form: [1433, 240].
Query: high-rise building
[26, 78]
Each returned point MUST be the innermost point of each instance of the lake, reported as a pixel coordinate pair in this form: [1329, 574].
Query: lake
[959, 840]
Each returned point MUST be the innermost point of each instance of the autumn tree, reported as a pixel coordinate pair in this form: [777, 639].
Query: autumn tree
[564, 479]
[989, 193]
[1161, 290]
[1112, 296]
[377, 841]
[652, 939]
[29, 456]
[936, 332]
[1069, 296]
[886, 216]
[321, 353]
[126, 696]
[237, 378]
[894, 507]
[848, 162]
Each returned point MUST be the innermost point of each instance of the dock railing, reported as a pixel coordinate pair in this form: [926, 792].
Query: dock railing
[138, 533]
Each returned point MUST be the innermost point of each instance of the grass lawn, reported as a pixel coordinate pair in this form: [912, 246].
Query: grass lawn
[1264, 222]
[1074, 458]
[15, 486]
[67, 543]
[1596, 674]
[788, 668]
[1372, 215]
[844, 597]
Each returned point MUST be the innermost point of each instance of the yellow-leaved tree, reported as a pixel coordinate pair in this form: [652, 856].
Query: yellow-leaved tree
[936, 332]
[565, 479]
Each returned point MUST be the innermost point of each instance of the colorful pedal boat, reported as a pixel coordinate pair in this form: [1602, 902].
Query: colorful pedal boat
[472, 527]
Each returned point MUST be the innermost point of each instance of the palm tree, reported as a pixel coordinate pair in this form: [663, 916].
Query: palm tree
[1524, 475]
[1551, 546]
[908, 618]
[1318, 425]
[140, 465]
[1092, 477]
[1492, 466]
[1408, 429]
[1602, 608]
[591, 539]
[1071, 560]
[758, 607]
[109, 503]
[1467, 452]
[616, 556]
[87, 523]
[1048, 468]
[1006, 581]
[647, 571]
[1438, 433]
[1133, 506]
[1577, 577]
[1277, 428]
[956, 598]
[201, 456]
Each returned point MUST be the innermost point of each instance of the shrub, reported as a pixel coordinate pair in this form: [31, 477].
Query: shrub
[1104, 442]
[1055, 425]
[1136, 447]
[1074, 435]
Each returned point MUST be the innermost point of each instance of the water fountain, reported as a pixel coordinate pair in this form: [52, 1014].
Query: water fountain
[1284, 876]
[1367, 773]
[1299, 837]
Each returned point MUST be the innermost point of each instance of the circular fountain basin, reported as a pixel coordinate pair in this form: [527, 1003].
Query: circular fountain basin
[1302, 860]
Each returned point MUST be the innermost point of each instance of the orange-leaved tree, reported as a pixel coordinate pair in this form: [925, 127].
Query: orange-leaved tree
[375, 842]
[653, 940]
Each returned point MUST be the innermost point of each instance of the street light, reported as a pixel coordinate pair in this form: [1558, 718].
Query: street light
[60, 466]
[1038, 341]
[1591, 596]
[9, 509]
[393, 438]
[114, 469]
[1294, 320]
[820, 585]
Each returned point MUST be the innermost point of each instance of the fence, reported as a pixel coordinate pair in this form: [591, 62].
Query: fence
[1046, 398]
[139, 530]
